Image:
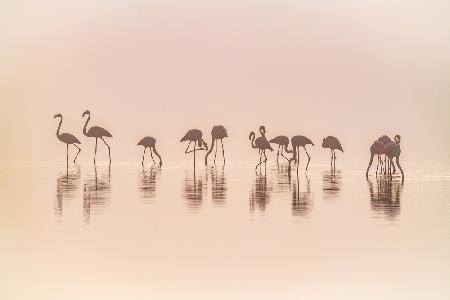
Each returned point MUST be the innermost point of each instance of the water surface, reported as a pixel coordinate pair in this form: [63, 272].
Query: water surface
[133, 232]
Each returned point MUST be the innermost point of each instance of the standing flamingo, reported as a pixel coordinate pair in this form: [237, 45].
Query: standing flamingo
[332, 143]
[97, 132]
[68, 139]
[149, 142]
[391, 150]
[196, 136]
[297, 142]
[217, 133]
[283, 143]
[261, 143]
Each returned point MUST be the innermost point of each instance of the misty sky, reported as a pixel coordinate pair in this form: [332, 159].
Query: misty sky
[353, 69]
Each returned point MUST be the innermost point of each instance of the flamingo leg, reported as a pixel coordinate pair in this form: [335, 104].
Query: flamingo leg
[67, 154]
[79, 150]
[260, 158]
[284, 147]
[331, 163]
[152, 156]
[278, 153]
[223, 151]
[95, 153]
[334, 152]
[195, 144]
[157, 154]
[397, 160]
[143, 156]
[109, 149]
[215, 153]
[186, 151]
[309, 158]
[298, 159]
[370, 163]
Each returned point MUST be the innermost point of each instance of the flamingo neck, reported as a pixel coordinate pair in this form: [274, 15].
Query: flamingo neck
[85, 125]
[59, 126]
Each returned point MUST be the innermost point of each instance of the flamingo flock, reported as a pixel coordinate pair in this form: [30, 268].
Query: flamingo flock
[383, 146]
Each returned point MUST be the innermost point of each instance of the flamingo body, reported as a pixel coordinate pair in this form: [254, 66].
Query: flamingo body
[192, 135]
[300, 141]
[219, 132]
[332, 143]
[98, 132]
[281, 140]
[68, 139]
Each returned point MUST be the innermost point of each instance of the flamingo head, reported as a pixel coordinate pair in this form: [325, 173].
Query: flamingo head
[57, 116]
[251, 135]
[262, 129]
[87, 112]
[397, 139]
[205, 145]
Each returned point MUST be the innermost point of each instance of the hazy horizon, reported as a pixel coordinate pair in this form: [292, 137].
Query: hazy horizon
[352, 70]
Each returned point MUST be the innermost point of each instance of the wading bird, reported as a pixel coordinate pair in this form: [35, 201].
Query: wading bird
[283, 142]
[196, 136]
[217, 133]
[332, 143]
[97, 133]
[149, 142]
[68, 139]
[261, 143]
[297, 142]
[391, 150]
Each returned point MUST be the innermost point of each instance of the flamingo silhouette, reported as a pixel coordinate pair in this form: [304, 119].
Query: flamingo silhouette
[297, 142]
[97, 133]
[391, 150]
[376, 148]
[261, 143]
[332, 143]
[217, 133]
[283, 143]
[149, 142]
[68, 139]
[196, 136]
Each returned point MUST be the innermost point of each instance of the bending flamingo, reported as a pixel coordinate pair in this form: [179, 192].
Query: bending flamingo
[297, 142]
[332, 143]
[261, 143]
[97, 133]
[149, 142]
[196, 136]
[283, 143]
[217, 133]
[391, 150]
[68, 139]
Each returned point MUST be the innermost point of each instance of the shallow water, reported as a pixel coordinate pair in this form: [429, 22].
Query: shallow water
[128, 232]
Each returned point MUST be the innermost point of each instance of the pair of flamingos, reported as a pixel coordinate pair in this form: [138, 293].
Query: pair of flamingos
[95, 132]
[390, 149]
[218, 132]
[262, 144]
[99, 133]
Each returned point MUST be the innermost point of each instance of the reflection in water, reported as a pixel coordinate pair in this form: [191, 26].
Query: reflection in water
[67, 184]
[385, 197]
[193, 191]
[301, 197]
[260, 193]
[218, 185]
[283, 179]
[96, 193]
[331, 181]
[147, 183]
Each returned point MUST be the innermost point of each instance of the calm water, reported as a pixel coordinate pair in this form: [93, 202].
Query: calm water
[128, 232]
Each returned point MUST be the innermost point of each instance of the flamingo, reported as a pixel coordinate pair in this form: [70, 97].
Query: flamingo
[196, 136]
[97, 132]
[332, 143]
[297, 142]
[68, 139]
[379, 147]
[261, 143]
[217, 133]
[283, 143]
[391, 150]
[149, 142]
